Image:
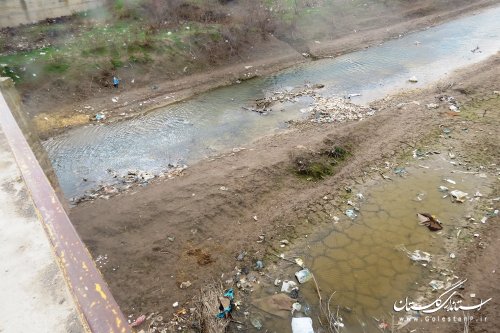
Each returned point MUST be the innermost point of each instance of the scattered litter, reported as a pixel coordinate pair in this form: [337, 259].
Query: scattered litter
[443, 188]
[432, 106]
[484, 219]
[419, 196]
[138, 321]
[400, 171]
[451, 181]
[255, 218]
[288, 286]
[296, 307]
[302, 325]
[256, 323]
[351, 214]
[99, 116]
[241, 256]
[383, 325]
[478, 194]
[451, 155]
[176, 304]
[185, 284]
[417, 255]
[114, 99]
[413, 79]
[436, 285]
[299, 262]
[353, 95]
[453, 108]
[259, 265]
[360, 196]
[459, 195]
[452, 255]
[226, 304]
[429, 221]
[223, 188]
[303, 275]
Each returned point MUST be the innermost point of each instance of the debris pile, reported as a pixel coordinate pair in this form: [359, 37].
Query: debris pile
[335, 109]
[322, 110]
[125, 182]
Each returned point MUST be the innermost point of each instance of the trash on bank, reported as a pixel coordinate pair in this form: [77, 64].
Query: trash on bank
[99, 116]
[259, 265]
[288, 286]
[138, 321]
[296, 307]
[436, 285]
[226, 304]
[400, 171]
[417, 255]
[299, 262]
[256, 323]
[443, 188]
[413, 79]
[351, 214]
[303, 275]
[185, 284]
[302, 325]
[459, 195]
[429, 221]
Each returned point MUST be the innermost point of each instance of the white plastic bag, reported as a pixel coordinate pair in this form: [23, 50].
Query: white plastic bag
[302, 325]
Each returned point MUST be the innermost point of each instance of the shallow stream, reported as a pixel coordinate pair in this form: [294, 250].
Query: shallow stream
[214, 122]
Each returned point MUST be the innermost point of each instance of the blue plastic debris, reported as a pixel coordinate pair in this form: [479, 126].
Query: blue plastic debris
[226, 304]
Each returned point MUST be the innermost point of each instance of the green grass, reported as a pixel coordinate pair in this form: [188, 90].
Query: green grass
[106, 46]
[320, 166]
[57, 67]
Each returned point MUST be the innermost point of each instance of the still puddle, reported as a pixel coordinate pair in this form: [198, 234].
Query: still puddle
[215, 121]
[359, 260]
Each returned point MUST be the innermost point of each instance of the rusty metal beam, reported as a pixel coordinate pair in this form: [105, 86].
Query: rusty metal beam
[96, 305]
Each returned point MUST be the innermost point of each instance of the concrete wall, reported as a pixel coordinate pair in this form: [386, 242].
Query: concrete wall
[15, 12]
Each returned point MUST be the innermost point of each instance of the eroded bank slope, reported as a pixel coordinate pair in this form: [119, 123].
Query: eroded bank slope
[194, 226]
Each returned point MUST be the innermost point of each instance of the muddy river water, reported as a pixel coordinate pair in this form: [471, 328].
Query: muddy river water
[215, 121]
[361, 259]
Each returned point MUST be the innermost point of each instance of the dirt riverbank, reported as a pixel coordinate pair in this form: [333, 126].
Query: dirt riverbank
[193, 227]
[53, 115]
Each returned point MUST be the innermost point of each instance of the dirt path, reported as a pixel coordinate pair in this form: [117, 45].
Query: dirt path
[53, 115]
[193, 227]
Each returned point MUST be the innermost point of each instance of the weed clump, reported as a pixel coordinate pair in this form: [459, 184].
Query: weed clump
[317, 166]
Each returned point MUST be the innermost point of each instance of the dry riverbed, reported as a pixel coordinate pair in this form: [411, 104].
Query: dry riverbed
[195, 227]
